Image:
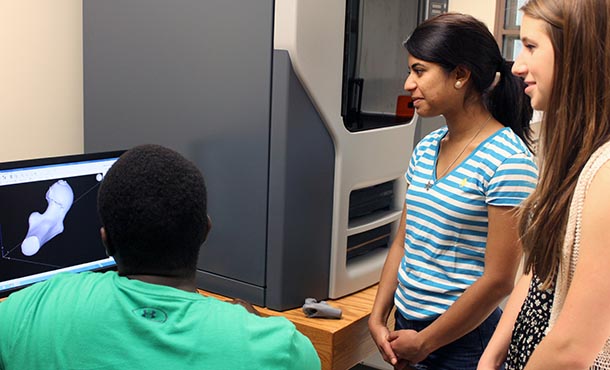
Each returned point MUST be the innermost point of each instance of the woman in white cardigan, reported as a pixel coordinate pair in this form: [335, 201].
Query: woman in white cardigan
[558, 316]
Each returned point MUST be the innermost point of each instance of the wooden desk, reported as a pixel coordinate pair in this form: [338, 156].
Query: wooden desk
[343, 343]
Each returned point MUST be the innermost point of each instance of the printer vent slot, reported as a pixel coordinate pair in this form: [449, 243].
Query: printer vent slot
[365, 242]
[370, 200]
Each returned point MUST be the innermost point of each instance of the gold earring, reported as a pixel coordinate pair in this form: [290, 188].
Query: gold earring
[458, 84]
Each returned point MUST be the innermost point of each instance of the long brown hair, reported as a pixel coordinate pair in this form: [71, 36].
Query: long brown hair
[576, 123]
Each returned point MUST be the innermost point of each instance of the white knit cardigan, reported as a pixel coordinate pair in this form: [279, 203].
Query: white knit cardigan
[571, 245]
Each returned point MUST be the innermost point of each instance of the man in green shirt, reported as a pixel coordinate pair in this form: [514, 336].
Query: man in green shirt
[148, 315]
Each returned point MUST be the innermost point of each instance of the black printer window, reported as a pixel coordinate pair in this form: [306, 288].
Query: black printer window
[375, 62]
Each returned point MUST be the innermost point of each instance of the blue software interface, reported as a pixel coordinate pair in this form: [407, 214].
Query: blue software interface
[48, 218]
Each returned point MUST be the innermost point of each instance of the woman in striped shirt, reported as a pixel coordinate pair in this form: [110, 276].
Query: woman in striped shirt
[456, 253]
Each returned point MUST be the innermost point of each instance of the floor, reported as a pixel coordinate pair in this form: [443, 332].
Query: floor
[373, 362]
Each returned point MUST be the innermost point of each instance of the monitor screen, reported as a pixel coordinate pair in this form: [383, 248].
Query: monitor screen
[48, 218]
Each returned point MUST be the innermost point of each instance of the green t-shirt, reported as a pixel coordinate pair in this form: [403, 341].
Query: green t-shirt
[104, 321]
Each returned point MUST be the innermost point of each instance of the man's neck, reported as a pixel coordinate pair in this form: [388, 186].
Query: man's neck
[187, 284]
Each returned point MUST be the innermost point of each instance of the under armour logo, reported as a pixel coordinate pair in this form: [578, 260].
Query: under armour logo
[152, 314]
[149, 314]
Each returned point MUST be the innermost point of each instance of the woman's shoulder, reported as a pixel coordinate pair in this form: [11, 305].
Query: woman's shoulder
[507, 141]
[597, 170]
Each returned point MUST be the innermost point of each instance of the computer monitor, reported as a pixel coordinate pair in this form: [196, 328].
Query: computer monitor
[48, 218]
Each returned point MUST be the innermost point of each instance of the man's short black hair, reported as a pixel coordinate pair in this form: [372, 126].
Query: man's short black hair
[152, 204]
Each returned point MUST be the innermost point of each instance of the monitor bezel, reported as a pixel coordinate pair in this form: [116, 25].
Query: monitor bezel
[48, 161]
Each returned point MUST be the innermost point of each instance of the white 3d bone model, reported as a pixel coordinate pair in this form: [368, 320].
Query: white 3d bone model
[43, 227]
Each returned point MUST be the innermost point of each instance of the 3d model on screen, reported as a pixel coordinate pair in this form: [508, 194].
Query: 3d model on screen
[43, 227]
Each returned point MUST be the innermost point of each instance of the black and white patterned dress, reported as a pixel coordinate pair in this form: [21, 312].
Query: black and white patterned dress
[530, 325]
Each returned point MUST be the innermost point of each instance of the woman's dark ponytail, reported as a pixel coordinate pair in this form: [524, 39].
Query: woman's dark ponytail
[509, 105]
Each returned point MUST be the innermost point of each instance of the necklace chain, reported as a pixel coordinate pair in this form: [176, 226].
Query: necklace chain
[430, 182]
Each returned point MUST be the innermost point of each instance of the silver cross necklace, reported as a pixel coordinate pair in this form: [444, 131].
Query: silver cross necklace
[430, 183]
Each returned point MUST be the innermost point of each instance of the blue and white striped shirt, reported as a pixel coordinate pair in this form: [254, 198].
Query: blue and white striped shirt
[446, 227]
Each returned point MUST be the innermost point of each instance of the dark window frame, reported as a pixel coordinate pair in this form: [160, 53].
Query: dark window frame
[500, 30]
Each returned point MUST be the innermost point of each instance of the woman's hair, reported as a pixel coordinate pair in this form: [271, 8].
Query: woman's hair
[452, 40]
[575, 124]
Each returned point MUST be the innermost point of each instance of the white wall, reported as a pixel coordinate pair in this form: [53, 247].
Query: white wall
[484, 10]
[41, 110]
[41, 97]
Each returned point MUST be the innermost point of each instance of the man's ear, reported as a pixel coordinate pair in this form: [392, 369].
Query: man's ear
[109, 248]
[205, 237]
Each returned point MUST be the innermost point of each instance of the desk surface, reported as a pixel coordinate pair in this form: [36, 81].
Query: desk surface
[341, 344]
